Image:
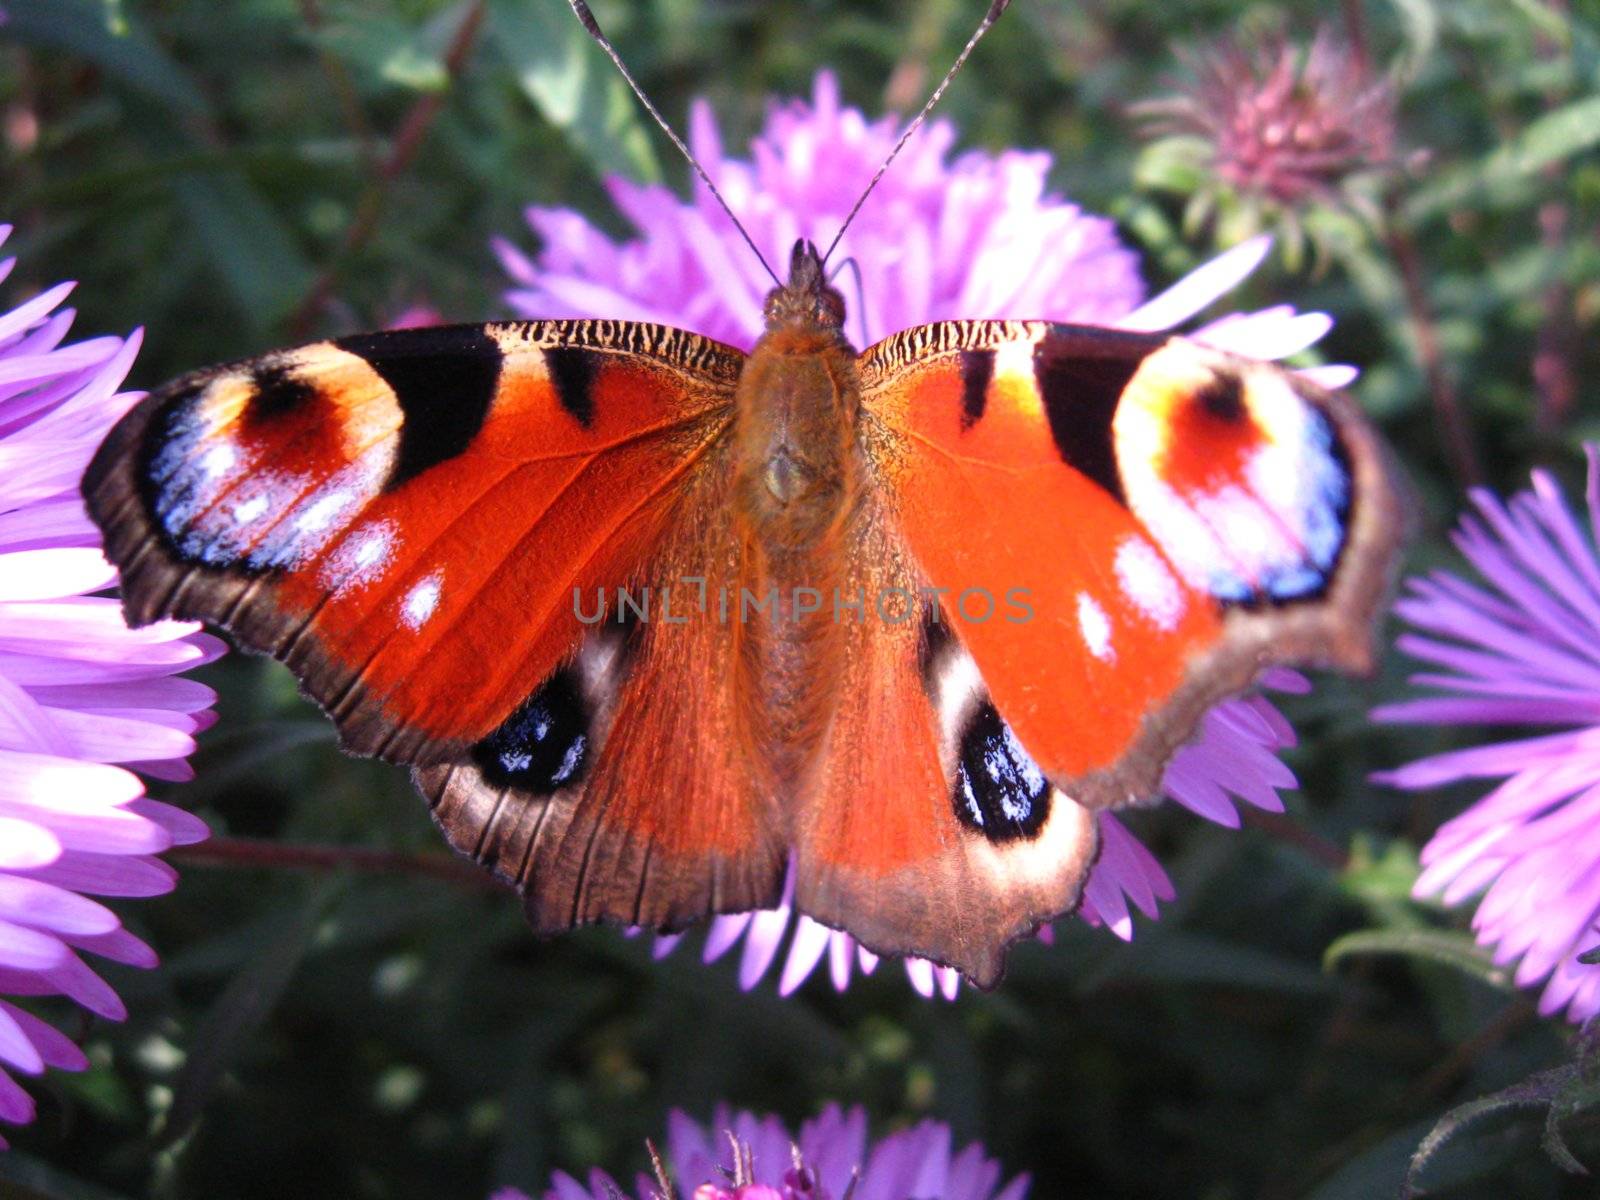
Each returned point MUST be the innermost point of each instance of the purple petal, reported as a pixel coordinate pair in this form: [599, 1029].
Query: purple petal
[1525, 652]
[50, 574]
[805, 951]
[54, 1048]
[26, 845]
[44, 906]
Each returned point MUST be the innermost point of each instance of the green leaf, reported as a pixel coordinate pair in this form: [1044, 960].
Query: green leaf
[1550, 22]
[1380, 877]
[1447, 947]
[1498, 179]
[1173, 164]
[1420, 20]
[1553, 137]
[308, 160]
[244, 1004]
[389, 51]
[568, 77]
[112, 40]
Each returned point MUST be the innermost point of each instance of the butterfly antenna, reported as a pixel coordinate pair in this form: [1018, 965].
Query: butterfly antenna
[861, 294]
[996, 7]
[581, 8]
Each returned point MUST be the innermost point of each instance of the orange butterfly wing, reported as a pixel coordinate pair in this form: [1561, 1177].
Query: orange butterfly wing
[1106, 533]
[412, 521]
[886, 841]
[1166, 519]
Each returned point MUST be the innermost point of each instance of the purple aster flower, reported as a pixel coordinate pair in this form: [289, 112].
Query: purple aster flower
[974, 236]
[743, 1157]
[1521, 648]
[79, 693]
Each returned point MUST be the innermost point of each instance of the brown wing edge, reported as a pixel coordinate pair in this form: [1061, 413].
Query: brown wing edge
[522, 840]
[980, 960]
[157, 582]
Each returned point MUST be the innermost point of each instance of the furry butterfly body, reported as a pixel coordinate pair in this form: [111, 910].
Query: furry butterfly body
[654, 621]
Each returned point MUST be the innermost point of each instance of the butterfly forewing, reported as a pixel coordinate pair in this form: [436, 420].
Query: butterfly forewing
[408, 518]
[1175, 519]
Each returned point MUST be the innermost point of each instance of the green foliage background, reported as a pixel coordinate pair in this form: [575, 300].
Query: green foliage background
[1292, 1026]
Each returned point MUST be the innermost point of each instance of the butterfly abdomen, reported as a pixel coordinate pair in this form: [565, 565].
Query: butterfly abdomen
[797, 475]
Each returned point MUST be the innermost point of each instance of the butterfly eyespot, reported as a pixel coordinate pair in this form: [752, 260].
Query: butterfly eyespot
[180, 483]
[1238, 475]
[543, 746]
[999, 790]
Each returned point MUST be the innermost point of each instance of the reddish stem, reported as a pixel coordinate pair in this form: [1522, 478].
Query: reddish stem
[1447, 410]
[1286, 829]
[292, 856]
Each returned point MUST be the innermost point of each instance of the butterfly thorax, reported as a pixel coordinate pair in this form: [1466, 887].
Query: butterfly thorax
[795, 428]
[797, 475]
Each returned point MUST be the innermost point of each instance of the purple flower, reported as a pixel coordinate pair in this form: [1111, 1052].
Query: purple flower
[1523, 648]
[976, 236]
[919, 1163]
[79, 692]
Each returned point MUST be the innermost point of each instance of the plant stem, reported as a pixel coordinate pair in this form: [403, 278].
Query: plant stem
[1556, 386]
[1284, 829]
[1447, 410]
[267, 854]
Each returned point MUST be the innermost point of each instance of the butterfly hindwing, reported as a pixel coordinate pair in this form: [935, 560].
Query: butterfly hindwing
[1166, 519]
[925, 828]
[411, 521]
[623, 789]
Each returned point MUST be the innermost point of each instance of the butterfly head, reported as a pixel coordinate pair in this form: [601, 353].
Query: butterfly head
[808, 300]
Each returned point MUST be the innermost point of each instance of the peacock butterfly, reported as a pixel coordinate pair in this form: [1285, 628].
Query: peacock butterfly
[651, 619]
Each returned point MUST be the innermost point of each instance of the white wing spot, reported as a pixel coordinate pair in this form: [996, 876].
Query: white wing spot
[1095, 627]
[322, 511]
[360, 559]
[421, 601]
[370, 548]
[1149, 583]
[219, 460]
[244, 513]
